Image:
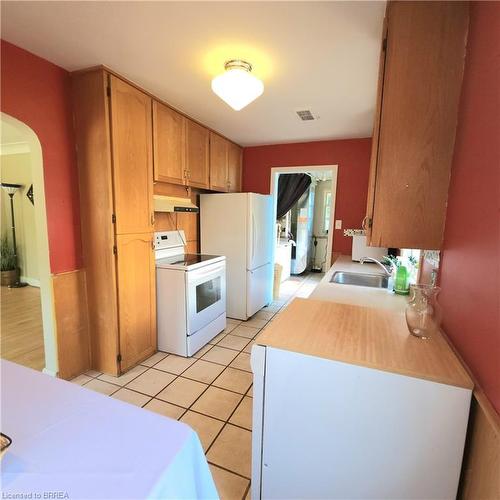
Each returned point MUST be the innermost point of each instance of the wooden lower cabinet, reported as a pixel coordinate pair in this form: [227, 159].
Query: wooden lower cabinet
[114, 144]
[136, 298]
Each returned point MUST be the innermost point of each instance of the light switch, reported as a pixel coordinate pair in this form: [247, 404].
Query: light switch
[338, 224]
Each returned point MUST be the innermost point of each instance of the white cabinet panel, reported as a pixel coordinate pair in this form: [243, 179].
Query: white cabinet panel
[334, 430]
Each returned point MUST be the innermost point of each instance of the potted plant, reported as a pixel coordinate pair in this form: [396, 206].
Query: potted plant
[8, 262]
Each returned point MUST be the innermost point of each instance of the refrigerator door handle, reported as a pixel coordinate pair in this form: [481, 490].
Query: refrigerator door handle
[253, 237]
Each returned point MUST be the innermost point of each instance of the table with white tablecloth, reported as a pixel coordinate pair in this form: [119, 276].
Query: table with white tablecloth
[72, 442]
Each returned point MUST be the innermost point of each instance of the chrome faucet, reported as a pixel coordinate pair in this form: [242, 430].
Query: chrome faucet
[371, 259]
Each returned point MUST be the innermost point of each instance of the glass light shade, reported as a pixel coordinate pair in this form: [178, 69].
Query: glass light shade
[237, 87]
[11, 188]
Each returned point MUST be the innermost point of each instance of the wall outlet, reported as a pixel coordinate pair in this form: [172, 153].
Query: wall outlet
[338, 224]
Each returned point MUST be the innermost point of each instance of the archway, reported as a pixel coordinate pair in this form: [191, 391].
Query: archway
[33, 147]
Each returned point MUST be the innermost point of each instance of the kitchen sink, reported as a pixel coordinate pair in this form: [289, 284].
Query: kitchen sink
[359, 279]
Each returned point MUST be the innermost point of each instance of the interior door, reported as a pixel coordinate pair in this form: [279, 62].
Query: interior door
[260, 230]
[136, 298]
[197, 155]
[169, 137]
[132, 148]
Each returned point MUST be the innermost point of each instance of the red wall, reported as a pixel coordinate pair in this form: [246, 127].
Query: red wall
[37, 93]
[470, 277]
[352, 157]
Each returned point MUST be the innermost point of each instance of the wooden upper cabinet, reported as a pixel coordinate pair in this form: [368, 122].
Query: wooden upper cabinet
[132, 153]
[197, 155]
[218, 162]
[420, 80]
[169, 145]
[234, 168]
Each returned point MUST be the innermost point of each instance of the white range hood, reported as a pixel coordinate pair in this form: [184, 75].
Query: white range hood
[173, 204]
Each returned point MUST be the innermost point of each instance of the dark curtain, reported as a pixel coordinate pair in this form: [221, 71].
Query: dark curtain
[290, 188]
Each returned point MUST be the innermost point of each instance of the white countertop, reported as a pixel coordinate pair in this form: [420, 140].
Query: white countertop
[357, 295]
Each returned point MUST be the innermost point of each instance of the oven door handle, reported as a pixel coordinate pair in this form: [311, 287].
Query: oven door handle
[213, 271]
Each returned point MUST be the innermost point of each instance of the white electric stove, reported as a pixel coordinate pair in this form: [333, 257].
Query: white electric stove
[190, 295]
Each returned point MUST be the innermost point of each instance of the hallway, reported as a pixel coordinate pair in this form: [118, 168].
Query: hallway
[21, 333]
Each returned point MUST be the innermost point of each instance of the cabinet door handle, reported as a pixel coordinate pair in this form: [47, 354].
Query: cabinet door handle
[152, 219]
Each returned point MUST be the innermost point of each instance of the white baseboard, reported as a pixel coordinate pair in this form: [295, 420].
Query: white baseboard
[30, 281]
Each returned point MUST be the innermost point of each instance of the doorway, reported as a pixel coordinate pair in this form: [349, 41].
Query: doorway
[303, 230]
[28, 335]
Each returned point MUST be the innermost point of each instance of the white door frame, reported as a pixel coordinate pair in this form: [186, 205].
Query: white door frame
[275, 171]
[42, 244]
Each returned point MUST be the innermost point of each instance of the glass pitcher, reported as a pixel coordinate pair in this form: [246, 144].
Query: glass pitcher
[423, 313]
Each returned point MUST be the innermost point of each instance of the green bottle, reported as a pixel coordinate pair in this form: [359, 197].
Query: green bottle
[401, 286]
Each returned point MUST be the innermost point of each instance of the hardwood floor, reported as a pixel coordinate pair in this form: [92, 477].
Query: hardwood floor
[21, 336]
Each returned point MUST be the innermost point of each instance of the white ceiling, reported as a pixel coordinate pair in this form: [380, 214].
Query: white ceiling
[317, 55]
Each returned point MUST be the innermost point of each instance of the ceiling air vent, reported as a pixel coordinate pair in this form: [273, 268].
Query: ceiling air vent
[305, 115]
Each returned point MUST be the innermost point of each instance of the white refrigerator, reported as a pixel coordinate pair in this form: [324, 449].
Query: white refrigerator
[240, 226]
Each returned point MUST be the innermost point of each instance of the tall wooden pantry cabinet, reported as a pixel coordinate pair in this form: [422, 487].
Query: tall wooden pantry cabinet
[113, 126]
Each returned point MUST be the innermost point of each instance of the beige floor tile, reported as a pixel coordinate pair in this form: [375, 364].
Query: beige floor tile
[220, 355]
[165, 409]
[234, 380]
[203, 371]
[233, 342]
[248, 496]
[174, 364]
[245, 331]
[131, 397]
[243, 414]
[256, 322]
[182, 392]
[230, 327]
[202, 351]
[233, 321]
[267, 315]
[151, 382]
[207, 428]
[100, 386]
[93, 373]
[232, 450]
[242, 362]
[217, 403]
[229, 485]
[217, 338]
[248, 347]
[125, 378]
[81, 379]
[152, 360]
[250, 392]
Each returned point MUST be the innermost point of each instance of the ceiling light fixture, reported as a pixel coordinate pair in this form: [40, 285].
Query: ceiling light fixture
[237, 86]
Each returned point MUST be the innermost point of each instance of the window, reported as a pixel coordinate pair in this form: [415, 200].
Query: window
[207, 294]
[327, 211]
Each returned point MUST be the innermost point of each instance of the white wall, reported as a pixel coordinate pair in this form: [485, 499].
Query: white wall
[16, 169]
